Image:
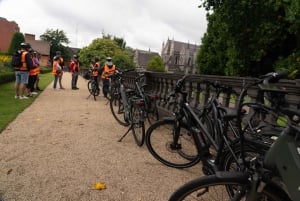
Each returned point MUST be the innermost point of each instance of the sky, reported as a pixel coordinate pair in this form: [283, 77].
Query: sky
[143, 24]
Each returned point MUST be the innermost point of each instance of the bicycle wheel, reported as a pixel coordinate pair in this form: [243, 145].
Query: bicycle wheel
[251, 149]
[137, 121]
[224, 186]
[117, 108]
[89, 85]
[160, 143]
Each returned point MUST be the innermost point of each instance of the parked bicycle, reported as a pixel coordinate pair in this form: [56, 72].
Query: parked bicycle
[190, 137]
[92, 84]
[128, 108]
[273, 177]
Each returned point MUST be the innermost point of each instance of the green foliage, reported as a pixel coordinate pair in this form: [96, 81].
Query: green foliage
[11, 107]
[156, 64]
[104, 47]
[7, 77]
[17, 39]
[57, 39]
[248, 37]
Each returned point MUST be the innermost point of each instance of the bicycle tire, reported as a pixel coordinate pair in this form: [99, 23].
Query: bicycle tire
[138, 124]
[159, 139]
[117, 109]
[251, 149]
[224, 186]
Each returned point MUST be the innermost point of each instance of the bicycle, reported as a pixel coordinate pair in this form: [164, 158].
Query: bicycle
[189, 137]
[92, 84]
[272, 177]
[130, 110]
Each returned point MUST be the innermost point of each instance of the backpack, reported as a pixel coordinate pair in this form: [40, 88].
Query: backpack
[16, 60]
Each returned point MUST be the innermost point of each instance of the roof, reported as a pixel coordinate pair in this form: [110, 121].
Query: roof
[143, 57]
[43, 47]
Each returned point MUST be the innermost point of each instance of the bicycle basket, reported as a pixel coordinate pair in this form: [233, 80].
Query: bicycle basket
[87, 75]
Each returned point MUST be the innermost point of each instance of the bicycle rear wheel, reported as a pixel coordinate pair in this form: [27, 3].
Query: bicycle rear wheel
[224, 186]
[138, 124]
[117, 108]
[160, 143]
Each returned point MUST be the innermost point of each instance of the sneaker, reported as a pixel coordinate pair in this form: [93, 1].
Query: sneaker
[23, 97]
[34, 93]
[17, 97]
[29, 95]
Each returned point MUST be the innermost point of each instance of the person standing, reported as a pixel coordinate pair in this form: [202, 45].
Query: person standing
[32, 75]
[36, 59]
[56, 71]
[95, 71]
[75, 69]
[108, 69]
[22, 72]
[62, 64]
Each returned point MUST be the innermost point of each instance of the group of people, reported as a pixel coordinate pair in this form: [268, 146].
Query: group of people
[27, 74]
[58, 69]
[104, 72]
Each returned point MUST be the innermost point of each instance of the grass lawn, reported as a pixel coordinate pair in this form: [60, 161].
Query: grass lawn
[11, 107]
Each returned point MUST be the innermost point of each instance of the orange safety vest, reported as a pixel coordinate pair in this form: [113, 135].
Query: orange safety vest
[55, 64]
[23, 60]
[33, 71]
[96, 69]
[108, 71]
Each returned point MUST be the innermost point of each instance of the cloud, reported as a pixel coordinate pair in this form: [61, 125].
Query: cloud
[143, 24]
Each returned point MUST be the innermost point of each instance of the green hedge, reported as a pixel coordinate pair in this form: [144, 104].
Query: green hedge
[7, 77]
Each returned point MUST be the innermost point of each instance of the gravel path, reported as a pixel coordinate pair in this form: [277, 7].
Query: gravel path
[61, 145]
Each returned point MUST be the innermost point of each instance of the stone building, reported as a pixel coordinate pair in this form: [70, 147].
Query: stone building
[179, 57]
[142, 57]
[7, 31]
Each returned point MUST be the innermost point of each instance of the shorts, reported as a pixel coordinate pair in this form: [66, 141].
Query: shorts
[22, 77]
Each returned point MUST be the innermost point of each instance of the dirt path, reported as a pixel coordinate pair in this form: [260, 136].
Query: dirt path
[61, 145]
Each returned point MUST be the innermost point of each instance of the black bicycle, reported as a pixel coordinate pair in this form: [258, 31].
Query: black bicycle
[274, 177]
[190, 137]
[92, 84]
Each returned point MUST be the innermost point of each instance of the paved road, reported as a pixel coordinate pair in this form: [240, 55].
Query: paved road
[64, 143]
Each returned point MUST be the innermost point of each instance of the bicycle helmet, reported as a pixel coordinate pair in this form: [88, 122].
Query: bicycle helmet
[25, 45]
[58, 52]
[96, 58]
[56, 58]
[109, 62]
[75, 56]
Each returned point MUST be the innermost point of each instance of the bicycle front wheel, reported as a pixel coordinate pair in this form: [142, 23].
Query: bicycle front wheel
[138, 124]
[162, 144]
[223, 186]
[117, 109]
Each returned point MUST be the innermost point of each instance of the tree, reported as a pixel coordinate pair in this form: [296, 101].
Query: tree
[156, 64]
[17, 39]
[58, 40]
[247, 37]
[104, 47]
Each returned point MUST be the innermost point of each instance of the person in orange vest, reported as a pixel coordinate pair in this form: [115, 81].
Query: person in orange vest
[95, 71]
[75, 69]
[108, 69]
[32, 74]
[56, 70]
[22, 72]
[36, 58]
[62, 64]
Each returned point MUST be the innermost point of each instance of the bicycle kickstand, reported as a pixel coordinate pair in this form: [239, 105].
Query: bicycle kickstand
[130, 128]
[88, 96]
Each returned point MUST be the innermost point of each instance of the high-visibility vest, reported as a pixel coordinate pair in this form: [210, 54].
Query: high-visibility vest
[96, 69]
[23, 60]
[108, 71]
